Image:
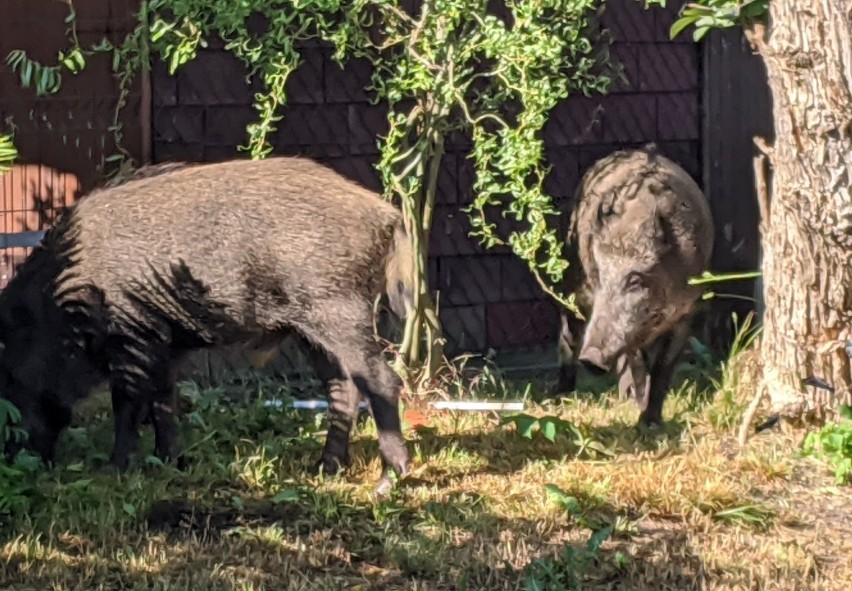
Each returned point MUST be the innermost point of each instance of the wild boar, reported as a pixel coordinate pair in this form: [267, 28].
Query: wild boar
[640, 229]
[133, 277]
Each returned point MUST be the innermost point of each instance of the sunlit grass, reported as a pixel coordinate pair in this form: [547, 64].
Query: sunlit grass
[679, 507]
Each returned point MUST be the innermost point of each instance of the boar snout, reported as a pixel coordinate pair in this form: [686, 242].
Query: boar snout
[601, 344]
[593, 359]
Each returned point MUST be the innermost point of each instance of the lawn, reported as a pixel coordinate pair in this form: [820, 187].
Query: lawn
[601, 506]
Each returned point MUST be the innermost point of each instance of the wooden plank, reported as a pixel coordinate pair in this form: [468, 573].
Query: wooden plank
[737, 107]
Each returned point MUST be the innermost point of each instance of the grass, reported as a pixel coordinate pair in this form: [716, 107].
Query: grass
[583, 501]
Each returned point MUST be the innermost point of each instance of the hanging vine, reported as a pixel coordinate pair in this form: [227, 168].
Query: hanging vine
[448, 66]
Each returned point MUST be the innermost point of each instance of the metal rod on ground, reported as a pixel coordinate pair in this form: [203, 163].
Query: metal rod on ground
[477, 405]
[467, 405]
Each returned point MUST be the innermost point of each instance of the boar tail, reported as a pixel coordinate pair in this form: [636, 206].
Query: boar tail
[399, 272]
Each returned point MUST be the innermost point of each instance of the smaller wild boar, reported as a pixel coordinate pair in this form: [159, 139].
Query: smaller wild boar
[133, 277]
[640, 229]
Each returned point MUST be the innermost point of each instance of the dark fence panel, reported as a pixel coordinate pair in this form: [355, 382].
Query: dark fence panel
[62, 139]
[738, 107]
[488, 299]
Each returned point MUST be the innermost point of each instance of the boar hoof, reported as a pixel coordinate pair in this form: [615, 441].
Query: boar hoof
[121, 462]
[329, 466]
[386, 483]
[385, 486]
[566, 384]
[648, 419]
[182, 463]
[395, 454]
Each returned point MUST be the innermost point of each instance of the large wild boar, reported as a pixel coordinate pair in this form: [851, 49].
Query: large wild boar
[135, 276]
[640, 229]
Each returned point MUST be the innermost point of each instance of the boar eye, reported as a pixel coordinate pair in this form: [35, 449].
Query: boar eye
[634, 281]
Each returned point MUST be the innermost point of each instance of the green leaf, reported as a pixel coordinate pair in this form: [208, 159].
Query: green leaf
[524, 423]
[754, 9]
[80, 484]
[129, 509]
[27, 462]
[697, 35]
[565, 501]
[153, 460]
[286, 496]
[27, 74]
[548, 428]
[679, 25]
[598, 538]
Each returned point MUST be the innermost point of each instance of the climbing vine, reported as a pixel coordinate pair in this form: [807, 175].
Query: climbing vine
[447, 66]
[8, 153]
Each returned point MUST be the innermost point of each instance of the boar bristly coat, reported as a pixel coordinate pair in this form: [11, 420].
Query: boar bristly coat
[640, 230]
[133, 277]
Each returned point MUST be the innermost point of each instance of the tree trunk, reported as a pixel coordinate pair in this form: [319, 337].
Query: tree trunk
[807, 224]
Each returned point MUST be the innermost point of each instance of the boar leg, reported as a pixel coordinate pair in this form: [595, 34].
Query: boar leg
[569, 331]
[141, 379]
[343, 410]
[127, 417]
[669, 348]
[633, 379]
[354, 346]
[163, 408]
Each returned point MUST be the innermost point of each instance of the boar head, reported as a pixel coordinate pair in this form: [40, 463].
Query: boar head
[640, 293]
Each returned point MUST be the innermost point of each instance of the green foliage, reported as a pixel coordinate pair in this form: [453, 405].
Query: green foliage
[589, 517]
[17, 485]
[127, 59]
[270, 54]
[705, 15]
[452, 66]
[456, 67]
[45, 79]
[833, 443]
[48, 79]
[748, 516]
[566, 571]
[707, 278]
[9, 416]
[16, 478]
[728, 409]
[8, 153]
[550, 427]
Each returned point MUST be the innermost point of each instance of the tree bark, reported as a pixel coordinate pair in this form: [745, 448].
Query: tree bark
[807, 221]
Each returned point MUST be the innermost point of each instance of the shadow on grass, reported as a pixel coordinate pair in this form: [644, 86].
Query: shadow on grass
[326, 541]
[506, 451]
[185, 530]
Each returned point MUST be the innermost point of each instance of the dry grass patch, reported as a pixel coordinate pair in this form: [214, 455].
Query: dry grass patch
[601, 506]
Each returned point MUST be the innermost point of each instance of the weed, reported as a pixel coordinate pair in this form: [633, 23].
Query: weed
[567, 570]
[9, 417]
[833, 442]
[550, 427]
[728, 407]
[751, 516]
